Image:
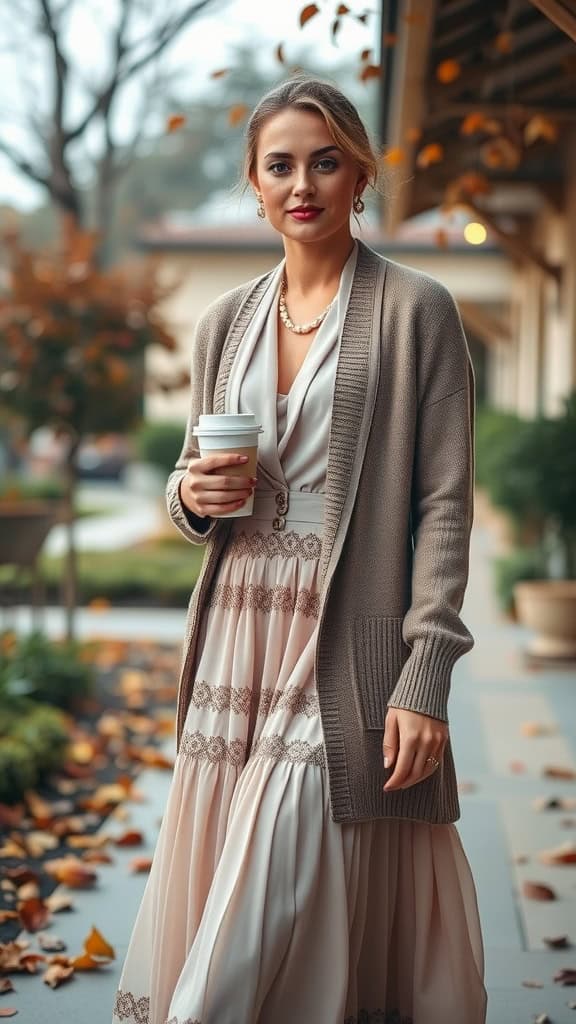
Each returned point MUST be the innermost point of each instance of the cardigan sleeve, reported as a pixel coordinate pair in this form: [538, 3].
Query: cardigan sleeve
[441, 509]
[195, 528]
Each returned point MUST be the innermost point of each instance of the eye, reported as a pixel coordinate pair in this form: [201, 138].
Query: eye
[327, 164]
[279, 167]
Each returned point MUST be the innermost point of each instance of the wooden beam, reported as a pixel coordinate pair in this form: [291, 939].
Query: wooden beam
[505, 71]
[408, 89]
[511, 111]
[516, 248]
[559, 14]
[489, 328]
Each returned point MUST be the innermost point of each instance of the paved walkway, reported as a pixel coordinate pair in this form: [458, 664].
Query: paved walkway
[500, 768]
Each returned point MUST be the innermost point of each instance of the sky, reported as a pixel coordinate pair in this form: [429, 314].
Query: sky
[206, 46]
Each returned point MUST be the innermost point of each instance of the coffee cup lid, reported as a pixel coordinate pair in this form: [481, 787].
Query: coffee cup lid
[227, 423]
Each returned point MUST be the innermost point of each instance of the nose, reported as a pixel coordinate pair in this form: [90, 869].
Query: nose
[303, 185]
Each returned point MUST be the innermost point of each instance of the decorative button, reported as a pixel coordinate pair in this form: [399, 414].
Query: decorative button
[279, 523]
[281, 503]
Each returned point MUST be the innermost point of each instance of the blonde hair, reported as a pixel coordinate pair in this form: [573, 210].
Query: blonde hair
[342, 120]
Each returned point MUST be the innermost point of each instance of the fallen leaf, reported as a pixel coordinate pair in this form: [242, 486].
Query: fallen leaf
[307, 13]
[566, 976]
[6, 986]
[8, 1011]
[140, 864]
[12, 849]
[564, 854]
[130, 838]
[542, 1018]
[71, 872]
[8, 915]
[537, 891]
[50, 943]
[553, 771]
[537, 729]
[97, 857]
[557, 942]
[34, 914]
[14, 956]
[21, 874]
[57, 974]
[28, 891]
[529, 983]
[517, 767]
[38, 843]
[88, 842]
[58, 902]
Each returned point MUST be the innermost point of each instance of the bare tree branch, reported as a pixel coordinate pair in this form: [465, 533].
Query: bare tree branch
[162, 38]
[24, 165]
[60, 64]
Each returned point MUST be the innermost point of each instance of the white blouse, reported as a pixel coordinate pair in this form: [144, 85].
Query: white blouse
[294, 444]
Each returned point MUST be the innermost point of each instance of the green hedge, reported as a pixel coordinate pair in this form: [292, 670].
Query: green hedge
[33, 745]
[160, 444]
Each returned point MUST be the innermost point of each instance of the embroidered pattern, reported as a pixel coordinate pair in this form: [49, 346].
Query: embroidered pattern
[213, 749]
[238, 699]
[126, 1006]
[175, 1020]
[265, 599]
[286, 544]
[379, 1017]
[295, 751]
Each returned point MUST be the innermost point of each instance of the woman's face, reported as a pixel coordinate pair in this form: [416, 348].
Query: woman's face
[307, 182]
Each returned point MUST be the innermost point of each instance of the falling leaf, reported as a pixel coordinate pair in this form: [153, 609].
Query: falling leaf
[220, 73]
[565, 854]
[12, 849]
[175, 122]
[280, 53]
[441, 238]
[342, 9]
[237, 114]
[50, 943]
[503, 42]
[448, 71]
[335, 28]
[501, 153]
[540, 127]
[365, 55]
[369, 72]
[557, 942]
[363, 18]
[140, 865]
[537, 891]
[34, 914]
[473, 123]
[308, 12]
[559, 772]
[57, 974]
[394, 156]
[566, 976]
[28, 891]
[431, 154]
[413, 135]
[21, 874]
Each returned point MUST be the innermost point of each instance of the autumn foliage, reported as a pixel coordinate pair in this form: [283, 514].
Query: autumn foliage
[73, 337]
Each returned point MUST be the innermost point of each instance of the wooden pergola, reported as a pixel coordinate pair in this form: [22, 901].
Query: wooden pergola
[509, 64]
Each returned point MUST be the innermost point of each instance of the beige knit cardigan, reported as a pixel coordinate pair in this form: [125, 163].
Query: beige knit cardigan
[398, 513]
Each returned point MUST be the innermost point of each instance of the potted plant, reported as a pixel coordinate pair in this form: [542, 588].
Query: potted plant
[534, 481]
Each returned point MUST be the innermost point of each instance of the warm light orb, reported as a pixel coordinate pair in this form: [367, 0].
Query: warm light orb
[475, 233]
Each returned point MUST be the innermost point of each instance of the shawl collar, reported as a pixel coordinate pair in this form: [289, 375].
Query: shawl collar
[355, 389]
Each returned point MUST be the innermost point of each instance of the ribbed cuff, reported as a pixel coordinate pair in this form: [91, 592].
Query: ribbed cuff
[185, 520]
[424, 683]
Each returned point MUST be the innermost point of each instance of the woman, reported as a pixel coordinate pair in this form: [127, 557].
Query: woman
[308, 868]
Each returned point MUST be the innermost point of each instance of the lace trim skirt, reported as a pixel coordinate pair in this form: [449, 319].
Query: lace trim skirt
[259, 908]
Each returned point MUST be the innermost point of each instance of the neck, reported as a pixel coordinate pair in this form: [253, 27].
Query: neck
[313, 266]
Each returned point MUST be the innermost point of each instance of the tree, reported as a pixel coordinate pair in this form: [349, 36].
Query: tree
[72, 341]
[55, 137]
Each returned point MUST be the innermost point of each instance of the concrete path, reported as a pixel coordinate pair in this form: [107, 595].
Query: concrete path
[499, 768]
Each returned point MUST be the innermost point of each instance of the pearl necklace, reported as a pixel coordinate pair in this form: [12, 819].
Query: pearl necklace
[299, 328]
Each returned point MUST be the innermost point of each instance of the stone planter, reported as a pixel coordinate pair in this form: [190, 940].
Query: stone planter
[549, 608]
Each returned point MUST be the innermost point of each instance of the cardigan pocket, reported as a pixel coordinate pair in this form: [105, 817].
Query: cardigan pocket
[380, 653]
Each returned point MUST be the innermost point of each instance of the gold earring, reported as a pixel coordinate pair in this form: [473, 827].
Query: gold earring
[260, 211]
[358, 204]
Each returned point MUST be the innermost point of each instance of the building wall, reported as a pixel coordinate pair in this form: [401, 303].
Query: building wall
[201, 276]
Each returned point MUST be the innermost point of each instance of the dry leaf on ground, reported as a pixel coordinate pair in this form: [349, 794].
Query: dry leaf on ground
[6, 986]
[564, 854]
[8, 1011]
[50, 943]
[554, 771]
[557, 942]
[566, 976]
[57, 974]
[537, 891]
[34, 914]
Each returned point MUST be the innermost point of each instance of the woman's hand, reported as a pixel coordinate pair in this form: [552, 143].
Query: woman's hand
[206, 494]
[410, 738]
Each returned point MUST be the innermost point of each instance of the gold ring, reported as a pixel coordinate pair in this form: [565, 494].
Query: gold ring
[433, 761]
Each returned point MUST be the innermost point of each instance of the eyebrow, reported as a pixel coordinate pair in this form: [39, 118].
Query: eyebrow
[288, 156]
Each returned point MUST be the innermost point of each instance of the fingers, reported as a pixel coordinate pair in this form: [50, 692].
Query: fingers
[391, 740]
[208, 492]
[419, 738]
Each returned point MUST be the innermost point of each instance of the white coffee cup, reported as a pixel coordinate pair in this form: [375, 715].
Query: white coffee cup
[236, 433]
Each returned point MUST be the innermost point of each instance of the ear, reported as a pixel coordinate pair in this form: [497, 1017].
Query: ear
[361, 185]
[253, 179]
